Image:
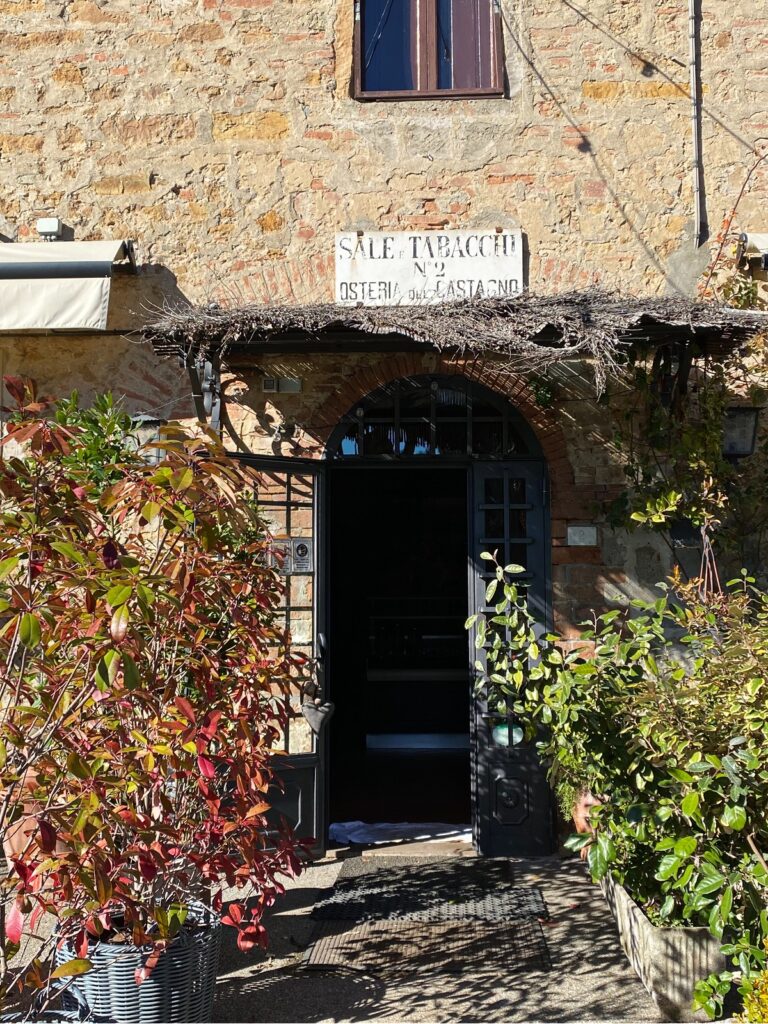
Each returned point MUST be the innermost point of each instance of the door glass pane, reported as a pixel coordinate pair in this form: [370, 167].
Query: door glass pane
[517, 491]
[451, 439]
[516, 522]
[483, 406]
[349, 444]
[415, 439]
[518, 555]
[515, 443]
[444, 44]
[488, 437]
[379, 439]
[388, 45]
[494, 491]
[494, 523]
[450, 402]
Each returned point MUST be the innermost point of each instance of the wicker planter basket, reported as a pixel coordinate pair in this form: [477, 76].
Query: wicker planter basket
[180, 988]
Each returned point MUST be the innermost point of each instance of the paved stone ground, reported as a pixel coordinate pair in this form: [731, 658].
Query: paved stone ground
[590, 979]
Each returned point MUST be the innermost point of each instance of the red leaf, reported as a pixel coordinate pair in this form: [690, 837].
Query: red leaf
[35, 916]
[207, 767]
[185, 708]
[109, 555]
[81, 944]
[16, 387]
[253, 935]
[23, 870]
[14, 924]
[209, 726]
[233, 916]
[47, 839]
[147, 868]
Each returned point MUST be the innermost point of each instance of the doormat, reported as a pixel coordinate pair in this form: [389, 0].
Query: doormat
[384, 889]
[363, 833]
[456, 947]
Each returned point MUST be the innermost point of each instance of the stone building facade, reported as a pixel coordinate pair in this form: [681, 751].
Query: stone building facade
[224, 138]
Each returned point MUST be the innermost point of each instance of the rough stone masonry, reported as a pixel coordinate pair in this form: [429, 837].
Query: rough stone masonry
[222, 136]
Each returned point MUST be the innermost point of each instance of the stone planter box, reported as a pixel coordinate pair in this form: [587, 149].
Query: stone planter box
[668, 961]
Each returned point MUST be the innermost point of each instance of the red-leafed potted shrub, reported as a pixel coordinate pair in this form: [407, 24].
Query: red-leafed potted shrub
[144, 682]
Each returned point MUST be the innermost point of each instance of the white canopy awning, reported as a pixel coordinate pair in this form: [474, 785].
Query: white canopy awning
[57, 285]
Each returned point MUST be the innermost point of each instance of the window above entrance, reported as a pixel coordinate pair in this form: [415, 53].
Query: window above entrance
[432, 417]
[411, 49]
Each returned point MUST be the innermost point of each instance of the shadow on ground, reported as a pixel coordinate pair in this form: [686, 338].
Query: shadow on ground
[588, 980]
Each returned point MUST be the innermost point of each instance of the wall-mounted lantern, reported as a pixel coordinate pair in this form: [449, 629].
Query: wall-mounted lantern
[146, 428]
[740, 431]
[752, 250]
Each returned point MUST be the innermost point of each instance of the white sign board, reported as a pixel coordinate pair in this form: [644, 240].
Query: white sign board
[401, 268]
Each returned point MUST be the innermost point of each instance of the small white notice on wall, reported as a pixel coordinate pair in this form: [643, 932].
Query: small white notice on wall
[400, 268]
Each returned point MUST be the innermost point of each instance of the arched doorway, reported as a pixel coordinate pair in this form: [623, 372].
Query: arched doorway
[424, 474]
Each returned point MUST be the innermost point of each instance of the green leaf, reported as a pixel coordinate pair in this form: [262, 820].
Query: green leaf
[71, 969]
[577, 841]
[77, 766]
[68, 550]
[150, 511]
[118, 595]
[130, 672]
[685, 847]
[598, 859]
[29, 630]
[668, 867]
[106, 669]
[8, 565]
[667, 906]
[734, 817]
[726, 902]
[486, 556]
[690, 804]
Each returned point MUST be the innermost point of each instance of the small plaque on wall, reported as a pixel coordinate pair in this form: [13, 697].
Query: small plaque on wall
[293, 555]
[397, 268]
[582, 536]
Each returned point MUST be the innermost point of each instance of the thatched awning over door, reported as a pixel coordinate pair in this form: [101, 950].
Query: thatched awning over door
[529, 332]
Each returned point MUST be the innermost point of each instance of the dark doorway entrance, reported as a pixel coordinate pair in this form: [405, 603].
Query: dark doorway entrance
[399, 674]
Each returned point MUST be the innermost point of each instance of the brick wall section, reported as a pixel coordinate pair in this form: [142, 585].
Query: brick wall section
[583, 577]
[576, 572]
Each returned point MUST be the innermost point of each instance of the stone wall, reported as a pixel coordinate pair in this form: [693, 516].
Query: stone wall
[221, 135]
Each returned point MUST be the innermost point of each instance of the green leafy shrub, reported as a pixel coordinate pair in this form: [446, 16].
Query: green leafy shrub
[664, 716]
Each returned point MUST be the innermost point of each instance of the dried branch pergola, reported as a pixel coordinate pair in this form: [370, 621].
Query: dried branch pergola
[528, 332]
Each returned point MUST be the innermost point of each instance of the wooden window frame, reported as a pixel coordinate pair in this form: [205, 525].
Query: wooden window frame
[427, 61]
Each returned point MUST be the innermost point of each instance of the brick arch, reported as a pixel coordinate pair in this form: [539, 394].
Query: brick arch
[576, 572]
[511, 386]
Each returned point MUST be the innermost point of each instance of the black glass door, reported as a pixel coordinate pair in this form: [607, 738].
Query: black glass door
[513, 813]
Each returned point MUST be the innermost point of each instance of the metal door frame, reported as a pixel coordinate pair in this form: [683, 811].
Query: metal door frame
[521, 762]
[315, 763]
[467, 464]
